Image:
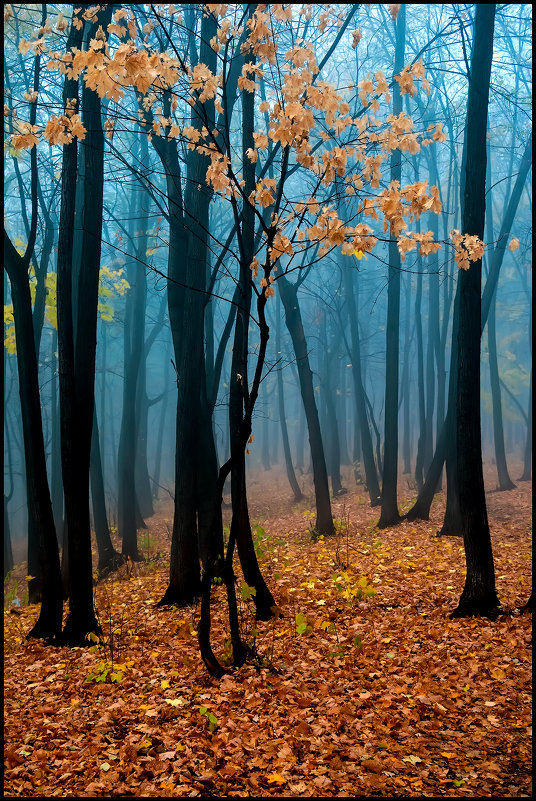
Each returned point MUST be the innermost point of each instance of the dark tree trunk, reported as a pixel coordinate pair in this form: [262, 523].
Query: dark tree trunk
[421, 508]
[389, 508]
[324, 520]
[419, 462]
[406, 442]
[195, 490]
[43, 556]
[77, 357]
[238, 383]
[184, 576]
[40, 516]
[479, 595]
[56, 487]
[431, 346]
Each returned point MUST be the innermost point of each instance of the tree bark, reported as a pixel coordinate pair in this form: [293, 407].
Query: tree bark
[479, 595]
[389, 508]
[77, 353]
[40, 516]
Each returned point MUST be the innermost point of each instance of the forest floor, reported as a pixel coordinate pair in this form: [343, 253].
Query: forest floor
[363, 687]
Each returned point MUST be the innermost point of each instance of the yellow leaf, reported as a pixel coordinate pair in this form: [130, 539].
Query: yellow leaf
[164, 684]
[276, 778]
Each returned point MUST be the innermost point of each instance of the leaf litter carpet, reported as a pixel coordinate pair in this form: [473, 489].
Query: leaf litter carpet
[363, 686]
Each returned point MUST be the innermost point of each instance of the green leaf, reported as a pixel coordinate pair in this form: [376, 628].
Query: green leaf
[247, 592]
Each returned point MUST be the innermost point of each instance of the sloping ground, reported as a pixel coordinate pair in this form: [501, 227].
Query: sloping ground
[363, 687]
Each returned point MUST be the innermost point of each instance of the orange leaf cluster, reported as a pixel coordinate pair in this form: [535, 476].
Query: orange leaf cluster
[467, 248]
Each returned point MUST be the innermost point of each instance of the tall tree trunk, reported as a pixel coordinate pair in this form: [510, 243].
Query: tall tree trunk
[77, 356]
[56, 487]
[406, 442]
[389, 508]
[195, 461]
[40, 516]
[238, 383]
[479, 595]
[419, 462]
[42, 540]
[421, 508]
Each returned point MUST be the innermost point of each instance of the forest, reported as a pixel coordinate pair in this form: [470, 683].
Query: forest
[267, 400]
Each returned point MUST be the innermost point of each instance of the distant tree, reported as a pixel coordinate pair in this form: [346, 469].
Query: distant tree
[289, 297]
